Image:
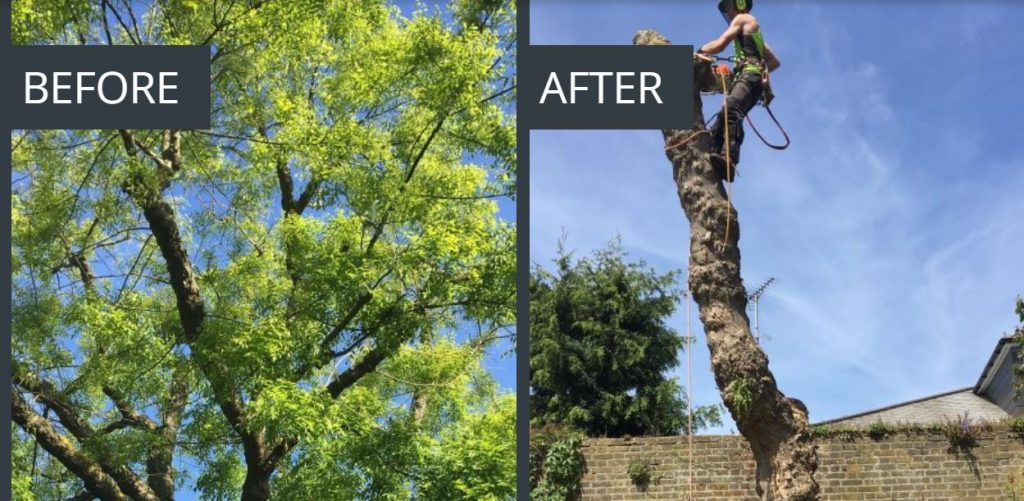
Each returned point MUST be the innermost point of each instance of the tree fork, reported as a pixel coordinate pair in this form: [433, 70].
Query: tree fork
[774, 425]
[192, 311]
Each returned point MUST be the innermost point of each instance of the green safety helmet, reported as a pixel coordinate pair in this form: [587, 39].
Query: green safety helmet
[739, 5]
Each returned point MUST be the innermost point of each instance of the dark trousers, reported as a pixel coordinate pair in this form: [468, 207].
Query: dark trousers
[745, 93]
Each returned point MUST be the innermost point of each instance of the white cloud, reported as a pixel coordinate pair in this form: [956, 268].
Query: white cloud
[897, 258]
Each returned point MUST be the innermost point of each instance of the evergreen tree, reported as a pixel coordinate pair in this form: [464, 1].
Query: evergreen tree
[600, 347]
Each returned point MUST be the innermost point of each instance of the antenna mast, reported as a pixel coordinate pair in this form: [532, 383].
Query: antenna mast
[755, 298]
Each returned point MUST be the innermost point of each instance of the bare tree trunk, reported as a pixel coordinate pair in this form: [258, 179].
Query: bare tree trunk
[775, 426]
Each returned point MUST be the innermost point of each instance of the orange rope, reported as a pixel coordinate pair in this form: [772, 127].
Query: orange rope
[687, 139]
[689, 389]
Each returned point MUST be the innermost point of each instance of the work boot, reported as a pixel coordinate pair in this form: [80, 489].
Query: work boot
[718, 163]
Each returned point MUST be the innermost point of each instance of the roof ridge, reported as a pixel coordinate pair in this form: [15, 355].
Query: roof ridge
[893, 406]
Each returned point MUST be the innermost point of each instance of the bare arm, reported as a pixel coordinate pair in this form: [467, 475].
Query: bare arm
[720, 43]
[770, 59]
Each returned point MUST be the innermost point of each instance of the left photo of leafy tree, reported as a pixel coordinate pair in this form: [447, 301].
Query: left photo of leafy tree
[313, 299]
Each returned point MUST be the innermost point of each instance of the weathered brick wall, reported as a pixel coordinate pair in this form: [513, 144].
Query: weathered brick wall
[915, 466]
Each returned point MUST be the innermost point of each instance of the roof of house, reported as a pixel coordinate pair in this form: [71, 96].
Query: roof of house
[928, 410]
[998, 355]
[992, 398]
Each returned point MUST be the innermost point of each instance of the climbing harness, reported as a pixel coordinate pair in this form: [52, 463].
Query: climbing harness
[765, 100]
[723, 73]
[743, 63]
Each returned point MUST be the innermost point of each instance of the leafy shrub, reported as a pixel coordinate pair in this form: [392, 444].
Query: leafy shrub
[640, 473]
[1017, 426]
[961, 433]
[742, 395]
[556, 464]
[878, 430]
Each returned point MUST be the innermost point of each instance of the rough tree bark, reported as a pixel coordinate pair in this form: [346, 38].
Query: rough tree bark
[774, 425]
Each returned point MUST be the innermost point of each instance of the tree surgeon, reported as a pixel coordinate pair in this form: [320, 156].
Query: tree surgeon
[773, 424]
[753, 61]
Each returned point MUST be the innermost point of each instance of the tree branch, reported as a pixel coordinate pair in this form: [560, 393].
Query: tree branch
[354, 373]
[96, 480]
[159, 465]
[191, 306]
[70, 416]
[66, 411]
[129, 417]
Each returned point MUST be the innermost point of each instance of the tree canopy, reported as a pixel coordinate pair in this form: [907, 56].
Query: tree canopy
[600, 347]
[294, 303]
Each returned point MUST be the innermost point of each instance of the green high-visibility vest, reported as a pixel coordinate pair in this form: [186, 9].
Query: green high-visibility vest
[748, 46]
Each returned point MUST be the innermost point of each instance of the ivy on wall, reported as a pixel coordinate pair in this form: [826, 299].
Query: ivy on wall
[556, 464]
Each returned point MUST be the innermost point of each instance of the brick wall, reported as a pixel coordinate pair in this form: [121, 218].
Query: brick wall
[914, 466]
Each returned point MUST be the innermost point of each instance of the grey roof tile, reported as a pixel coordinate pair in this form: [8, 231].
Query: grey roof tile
[928, 410]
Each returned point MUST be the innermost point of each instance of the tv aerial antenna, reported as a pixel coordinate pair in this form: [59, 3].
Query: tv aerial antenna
[754, 297]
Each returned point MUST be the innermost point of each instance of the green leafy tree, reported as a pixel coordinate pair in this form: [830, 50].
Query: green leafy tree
[600, 348]
[294, 303]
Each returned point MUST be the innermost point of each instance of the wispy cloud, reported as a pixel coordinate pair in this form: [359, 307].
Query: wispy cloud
[893, 227]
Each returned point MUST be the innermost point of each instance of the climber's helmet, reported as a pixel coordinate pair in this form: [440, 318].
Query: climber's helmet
[730, 8]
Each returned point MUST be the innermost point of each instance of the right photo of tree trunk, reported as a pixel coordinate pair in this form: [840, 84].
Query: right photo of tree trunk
[840, 230]
[774, 425]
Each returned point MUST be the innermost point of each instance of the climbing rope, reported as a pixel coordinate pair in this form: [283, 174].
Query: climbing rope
[687, 139]
[689, 388]
[728, 156]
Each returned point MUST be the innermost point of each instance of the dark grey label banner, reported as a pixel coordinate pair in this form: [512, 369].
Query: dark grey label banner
[108, 87]
[606, 87]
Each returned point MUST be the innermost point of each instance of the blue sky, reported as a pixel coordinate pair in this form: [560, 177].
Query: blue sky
[893, 223]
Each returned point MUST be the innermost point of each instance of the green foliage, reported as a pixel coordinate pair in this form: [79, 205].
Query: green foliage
[600, 348]
[473, 460]
[820, 431]
[222, 478]
[741, 394]
[878, 430]
[1017, 426]
[639, 473]
[21, 459]
[961, 433]
[556, 463]
[356, 151]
